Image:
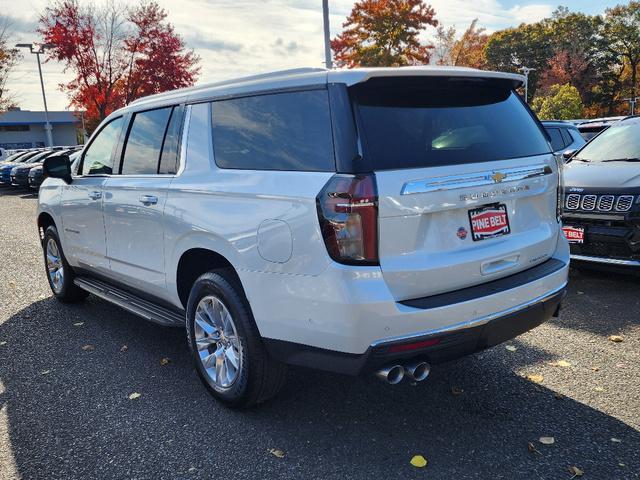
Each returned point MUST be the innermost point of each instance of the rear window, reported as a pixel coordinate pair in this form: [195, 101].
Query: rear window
[424, 122]
[283, 131]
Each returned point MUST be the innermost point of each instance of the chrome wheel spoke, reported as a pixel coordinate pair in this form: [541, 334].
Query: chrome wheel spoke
[217, 343]
[55, 268]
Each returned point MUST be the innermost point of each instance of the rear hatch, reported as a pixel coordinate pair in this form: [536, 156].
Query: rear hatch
[467, 184]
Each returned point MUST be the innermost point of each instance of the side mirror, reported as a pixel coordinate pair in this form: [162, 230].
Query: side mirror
[568, 154]
[57, 166]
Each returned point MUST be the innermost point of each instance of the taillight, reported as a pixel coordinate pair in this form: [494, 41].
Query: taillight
[348, 213]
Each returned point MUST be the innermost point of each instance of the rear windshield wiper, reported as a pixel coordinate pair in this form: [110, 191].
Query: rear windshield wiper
[628, 159]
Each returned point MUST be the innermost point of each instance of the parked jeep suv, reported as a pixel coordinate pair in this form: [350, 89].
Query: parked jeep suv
[369, 220]
[602, 203]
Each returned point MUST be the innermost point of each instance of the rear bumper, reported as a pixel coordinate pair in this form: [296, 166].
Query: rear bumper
[440, 345]
[351, 311]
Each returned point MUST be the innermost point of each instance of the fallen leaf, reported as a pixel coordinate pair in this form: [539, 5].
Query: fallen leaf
[595, 369]
[511, 348]
[599, 389]
[535, 378]
[616, 440]
[45, 372]
[558, 396]
[134, 395]
[124, 348]
[561, 363]
[165, 361]
[547, 440]
[78, 324]
[616, 338]
[192, 469]
[12, 284]
[88, 348]
[456, 391]
[621, 465]
[532, 448]
[2, 344]
[419, 461]
[276, 452]
[575, 471]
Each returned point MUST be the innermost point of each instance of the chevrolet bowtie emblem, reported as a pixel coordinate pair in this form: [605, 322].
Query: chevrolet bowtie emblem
[498, 177]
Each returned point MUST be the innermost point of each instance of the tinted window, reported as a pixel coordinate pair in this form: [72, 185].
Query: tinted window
[284, 131]
[421, 122]
[557, 143]
[171, 147]
[98, 158]
[621, 140]
[566, 136]
[144, 143]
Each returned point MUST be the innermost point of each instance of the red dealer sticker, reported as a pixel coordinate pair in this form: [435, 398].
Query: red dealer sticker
[489, 221]
[574, 234]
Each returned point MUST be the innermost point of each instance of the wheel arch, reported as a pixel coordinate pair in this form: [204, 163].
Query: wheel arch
[45, 220]
[196, 261]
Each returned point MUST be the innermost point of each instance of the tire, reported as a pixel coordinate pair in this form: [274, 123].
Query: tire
[215, 298]
[61, 285]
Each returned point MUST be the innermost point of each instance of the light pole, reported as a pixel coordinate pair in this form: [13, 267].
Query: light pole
[37, 49]
[632, 103]
[526, 71]
[327, 35]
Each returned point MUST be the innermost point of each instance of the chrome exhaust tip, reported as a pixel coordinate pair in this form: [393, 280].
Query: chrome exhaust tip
[391, 374]
[417, 370]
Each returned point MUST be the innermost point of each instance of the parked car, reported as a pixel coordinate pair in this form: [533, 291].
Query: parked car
[15, 157]
[279, 230]
[36, 175]
[591, 128]
[565, 136]
[5, 169]
[20, 173]
[602, 199]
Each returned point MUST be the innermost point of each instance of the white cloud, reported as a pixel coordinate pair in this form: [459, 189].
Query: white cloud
[239, 37]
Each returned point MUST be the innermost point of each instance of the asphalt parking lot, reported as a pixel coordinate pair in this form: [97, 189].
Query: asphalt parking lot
[65, 411]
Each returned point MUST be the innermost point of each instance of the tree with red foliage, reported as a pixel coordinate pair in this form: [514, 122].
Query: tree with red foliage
[384, 33]
[116, 53]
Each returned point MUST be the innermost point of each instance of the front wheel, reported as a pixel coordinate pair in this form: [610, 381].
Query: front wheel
[59, 273]
[225, 344]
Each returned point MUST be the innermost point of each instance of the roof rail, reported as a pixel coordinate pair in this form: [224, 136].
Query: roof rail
[250, 78]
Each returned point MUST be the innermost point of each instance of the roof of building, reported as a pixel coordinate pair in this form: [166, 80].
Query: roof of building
[303, 77]
[28, 117]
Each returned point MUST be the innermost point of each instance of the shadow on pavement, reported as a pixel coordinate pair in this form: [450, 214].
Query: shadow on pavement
[70, 417]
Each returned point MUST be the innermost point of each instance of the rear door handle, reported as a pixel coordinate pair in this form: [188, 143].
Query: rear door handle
[148, 199]
[95, 195]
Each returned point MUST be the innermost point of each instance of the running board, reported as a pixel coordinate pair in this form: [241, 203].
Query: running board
[130, 302]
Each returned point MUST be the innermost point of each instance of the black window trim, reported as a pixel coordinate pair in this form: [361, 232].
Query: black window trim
[262, 93]
[115, 149]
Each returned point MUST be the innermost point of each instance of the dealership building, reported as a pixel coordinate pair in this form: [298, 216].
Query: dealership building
[26, 128]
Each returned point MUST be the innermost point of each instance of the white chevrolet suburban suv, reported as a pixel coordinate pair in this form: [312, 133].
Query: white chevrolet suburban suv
[366, 220]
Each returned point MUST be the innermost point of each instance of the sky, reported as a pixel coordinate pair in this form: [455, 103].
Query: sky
[241, 37]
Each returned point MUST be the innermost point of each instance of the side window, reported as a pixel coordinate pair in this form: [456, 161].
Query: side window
[556, 139]
[171, 147]
[144, 142]
[98, 158]
[281, 131]
[567, 137]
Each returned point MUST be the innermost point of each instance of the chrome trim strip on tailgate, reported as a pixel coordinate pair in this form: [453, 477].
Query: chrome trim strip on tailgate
[471, 323]
[477, 179]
